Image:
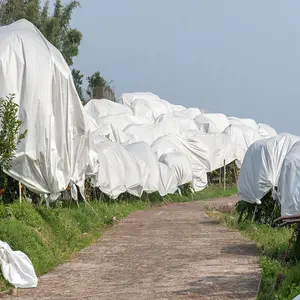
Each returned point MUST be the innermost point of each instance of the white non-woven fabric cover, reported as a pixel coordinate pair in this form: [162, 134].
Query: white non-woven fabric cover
[128, 98]
[243, 122]
[168, 181]
[197, 155]
[55, 150]
[17, 268]
[220, 148]
[243, 137]
[289, 183]
[183, 123]
[180, 164]
[150, 170]
[262, 165]
[98, 108]
[119, 171]
[212, 123]
[191, 112]
[266, 131]
[150, 133]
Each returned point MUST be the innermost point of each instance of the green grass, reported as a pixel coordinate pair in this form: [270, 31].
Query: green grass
[272, 244]
[51, 236]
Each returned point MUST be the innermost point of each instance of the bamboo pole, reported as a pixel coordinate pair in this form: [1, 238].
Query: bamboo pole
[224, 175]
[20, 191]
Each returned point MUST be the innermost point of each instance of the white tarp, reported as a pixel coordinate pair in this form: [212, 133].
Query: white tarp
[191, 112]
[150, 133]
[212, 123]
[243, 137]
[262, 166]
[197, 155]
[149, 165]
[55, 150]
[168, 181]
[183, 123]
[17, 268]
[289, 183]
[266, 131]
[243, 122]
[119, 171]
[180, 164]
[98, 108]
[128, 98]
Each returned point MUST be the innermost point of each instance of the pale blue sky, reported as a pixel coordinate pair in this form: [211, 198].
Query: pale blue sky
[241, 58]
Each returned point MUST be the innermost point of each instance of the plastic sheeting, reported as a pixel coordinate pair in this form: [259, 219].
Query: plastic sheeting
[266, 131]
[17, 268]
[183, 123]
[149, 166]
[262, 166]
[180, 164]
[212, 123]
[242, 137]
[55, 151]
[289, 183]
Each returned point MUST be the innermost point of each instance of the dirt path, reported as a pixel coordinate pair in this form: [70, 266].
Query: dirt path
[170, 252]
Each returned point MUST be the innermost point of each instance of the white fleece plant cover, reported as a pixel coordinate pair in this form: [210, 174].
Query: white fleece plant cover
[119, 171]
[197, 155]
[212, 123]
[55, 150]
[289, 183]
[191, 112]
[266, 131]
[183, 123]
[242, 137]
[17, 268]
[149, 166]
[180, 164]
[128, 98]
[262, 166]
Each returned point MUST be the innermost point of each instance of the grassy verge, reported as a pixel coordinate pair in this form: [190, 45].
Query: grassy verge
[280, 274]
[51, 236]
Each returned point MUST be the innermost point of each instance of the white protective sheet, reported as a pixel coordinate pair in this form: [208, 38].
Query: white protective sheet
[262, 165]
[180, 164]
[191, 112]
[212, 123]
[17, 268]
[149, 166]
[98, 108]
[168, 181]
[289, 183]
[197, 155]
[128, 98]
[150, 133]
[243, 122]
[55, 152]
[183, 123]
[243, 137]
[119, 171]
[266, 131]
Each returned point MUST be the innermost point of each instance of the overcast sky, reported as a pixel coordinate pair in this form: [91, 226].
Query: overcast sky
[241, 58]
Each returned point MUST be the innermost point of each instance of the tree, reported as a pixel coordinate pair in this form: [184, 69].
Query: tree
[78, 81]
[96, 83]
[56, 27]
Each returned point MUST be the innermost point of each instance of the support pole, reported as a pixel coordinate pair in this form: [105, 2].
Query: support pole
[224, 175]
[20, 191]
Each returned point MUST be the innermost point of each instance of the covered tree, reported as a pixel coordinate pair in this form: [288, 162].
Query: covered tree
[56, 27]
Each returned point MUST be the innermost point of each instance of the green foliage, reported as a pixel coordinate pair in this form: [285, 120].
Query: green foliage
[56, 27]
[272, 244]
[96, 81]
[10, 135]
[264, 213]
[78, 81]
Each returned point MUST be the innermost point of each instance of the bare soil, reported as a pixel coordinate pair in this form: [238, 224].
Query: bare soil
[170, 252]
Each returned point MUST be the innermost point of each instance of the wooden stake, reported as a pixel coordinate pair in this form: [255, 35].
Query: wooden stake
[224, 175]
[20, 191]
